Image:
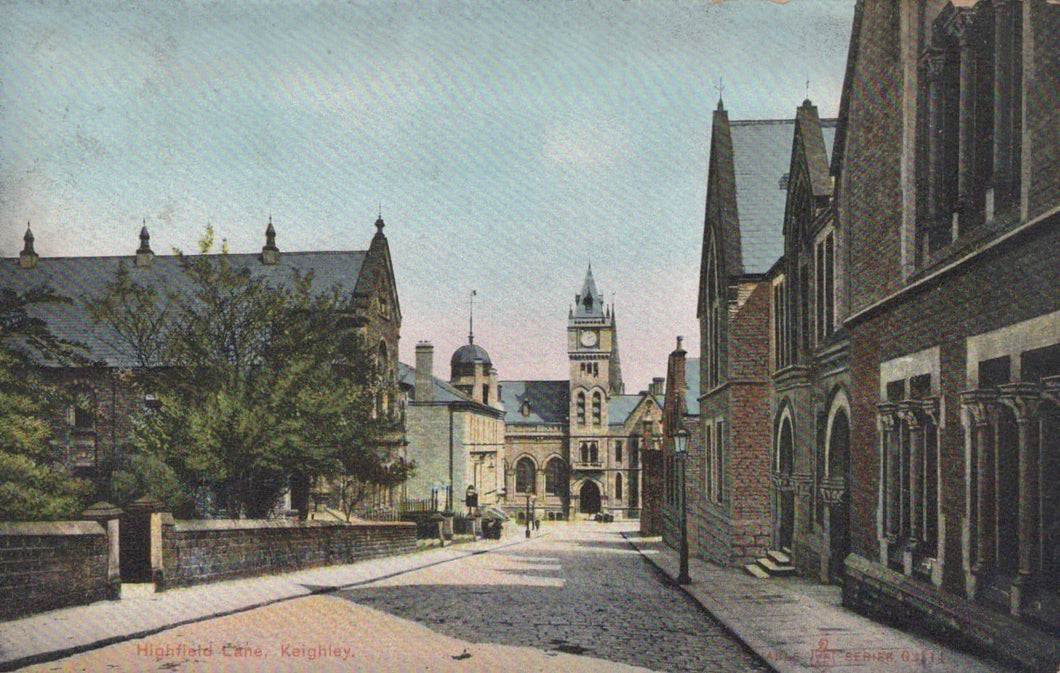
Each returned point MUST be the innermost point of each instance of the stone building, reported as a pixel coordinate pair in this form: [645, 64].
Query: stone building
[660, 510]
[948, 219]
[454, 430]
[573, 447]
[96, 423]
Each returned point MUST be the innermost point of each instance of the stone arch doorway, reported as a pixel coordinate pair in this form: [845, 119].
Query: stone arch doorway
[785, 462]
[589, 500]
[837, 495]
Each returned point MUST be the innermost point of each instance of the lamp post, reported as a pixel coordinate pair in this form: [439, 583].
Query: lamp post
[527, 515]
[681, 450]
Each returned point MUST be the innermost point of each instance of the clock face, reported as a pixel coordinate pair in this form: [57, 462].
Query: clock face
[588, 338]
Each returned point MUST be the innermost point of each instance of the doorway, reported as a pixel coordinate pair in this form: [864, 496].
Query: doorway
[590, 498]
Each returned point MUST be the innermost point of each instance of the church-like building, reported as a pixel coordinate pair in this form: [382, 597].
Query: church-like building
[573, 448]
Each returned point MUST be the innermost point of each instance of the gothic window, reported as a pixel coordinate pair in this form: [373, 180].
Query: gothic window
[556, 477]
[618, 487]
[711, 318]
[781, 349]
[618, 451]
[969, 117]
[580, 407]
[825, 286]
[594, 454]
[597, 404]
[719, 452]
[525, 475]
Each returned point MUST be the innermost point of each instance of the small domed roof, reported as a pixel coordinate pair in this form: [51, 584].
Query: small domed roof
[470, 354]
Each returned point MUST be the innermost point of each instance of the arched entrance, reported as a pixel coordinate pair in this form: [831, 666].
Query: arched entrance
[839, 507]
[785, 493]
[590, 498]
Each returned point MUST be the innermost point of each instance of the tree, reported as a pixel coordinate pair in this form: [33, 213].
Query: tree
[34, 482]
[261, 385]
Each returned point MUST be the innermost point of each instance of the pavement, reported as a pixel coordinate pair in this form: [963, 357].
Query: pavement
[797, 625]
[790, 623]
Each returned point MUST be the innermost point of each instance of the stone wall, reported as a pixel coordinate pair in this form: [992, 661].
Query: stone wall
[49, 565]
[198, 552]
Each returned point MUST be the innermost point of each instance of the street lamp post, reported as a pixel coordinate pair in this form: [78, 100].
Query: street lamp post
[527, 515]
[681, 450]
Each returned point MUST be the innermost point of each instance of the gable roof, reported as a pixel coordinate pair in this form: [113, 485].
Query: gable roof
[84, 278]
[762, 157]
[549, 402]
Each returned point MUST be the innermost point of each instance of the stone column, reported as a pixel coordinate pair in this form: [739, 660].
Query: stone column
[1023, 399]
[909, 411]
[108, 516]
[888, 507]
[979, 406]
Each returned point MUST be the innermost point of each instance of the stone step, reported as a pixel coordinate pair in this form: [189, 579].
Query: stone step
[131, 590]
[773, 568]
[756, 570]
[779, 557]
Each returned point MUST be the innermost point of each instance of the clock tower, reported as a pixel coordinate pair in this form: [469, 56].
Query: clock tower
[592, 346]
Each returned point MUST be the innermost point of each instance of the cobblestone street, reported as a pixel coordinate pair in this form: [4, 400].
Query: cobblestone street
[581, 589]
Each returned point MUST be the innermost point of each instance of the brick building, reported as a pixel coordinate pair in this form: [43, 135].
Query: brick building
[810, 415]
[948, 219]
[749, 173]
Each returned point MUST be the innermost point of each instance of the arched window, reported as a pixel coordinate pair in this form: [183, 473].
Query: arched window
[525, 475]
[597, 403]
[556, 477]
[581, 408]
[594, 452]
[382, 402]
[618, 487]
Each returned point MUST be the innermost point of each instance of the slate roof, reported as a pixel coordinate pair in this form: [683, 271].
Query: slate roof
[443, 391]
[619, 408]
[549, 402]
[83, 278]
[762, 156]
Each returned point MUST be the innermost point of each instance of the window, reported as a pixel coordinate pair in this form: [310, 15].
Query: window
[909, 450]
[719, 450]
[618, 487]
[825, 286]
[525, 476]
[710, 319]
[556, 477]
[634, 490]
[580, 408]
[780, 325]
[618, 451]
[969, 120]
[597, 404]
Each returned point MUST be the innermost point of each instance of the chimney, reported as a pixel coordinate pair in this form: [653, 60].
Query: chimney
[678, 382]
[270, 254]
[143, 253]
[658, 386]
[28, 259]
[425, 371]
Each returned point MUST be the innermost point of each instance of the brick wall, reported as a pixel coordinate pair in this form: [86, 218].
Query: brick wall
[198, 552]
[49, 565]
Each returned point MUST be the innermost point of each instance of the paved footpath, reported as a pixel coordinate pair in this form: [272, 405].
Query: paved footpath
[798, 625]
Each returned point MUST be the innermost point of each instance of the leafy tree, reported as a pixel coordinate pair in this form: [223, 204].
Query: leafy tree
[263, 385]
[34, 484]
[137, 317]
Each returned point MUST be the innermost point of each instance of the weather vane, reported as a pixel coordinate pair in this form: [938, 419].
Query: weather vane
[471, 318]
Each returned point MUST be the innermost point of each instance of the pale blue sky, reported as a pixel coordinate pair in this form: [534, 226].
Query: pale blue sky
[507, 143]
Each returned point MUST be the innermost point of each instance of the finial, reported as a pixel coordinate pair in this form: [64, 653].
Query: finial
[720, 88]
[28, 238]
[27, 259]
[471, 318]
[379, 224]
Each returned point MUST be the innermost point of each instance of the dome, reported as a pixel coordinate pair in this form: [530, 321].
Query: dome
[470, 354]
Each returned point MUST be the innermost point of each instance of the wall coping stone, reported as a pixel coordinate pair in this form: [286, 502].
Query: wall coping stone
[257, 524]
[51, 528]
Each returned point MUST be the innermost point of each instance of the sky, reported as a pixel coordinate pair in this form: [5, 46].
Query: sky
[506, 144]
